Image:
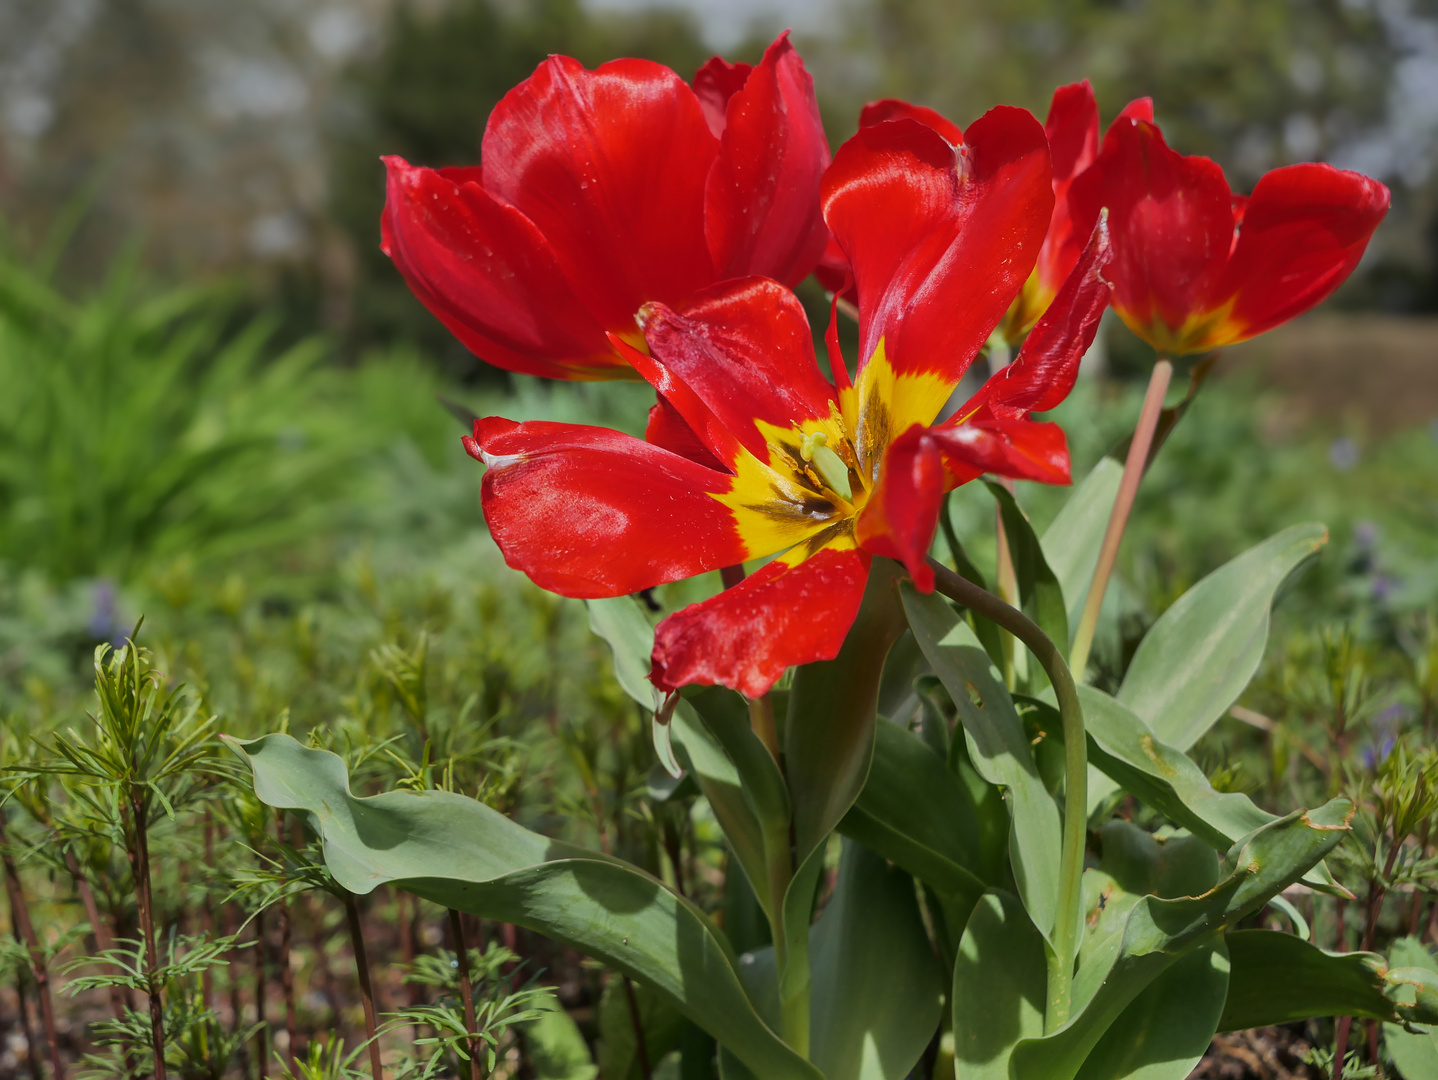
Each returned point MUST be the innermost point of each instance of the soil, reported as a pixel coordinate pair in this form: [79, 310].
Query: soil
[1271, 1053]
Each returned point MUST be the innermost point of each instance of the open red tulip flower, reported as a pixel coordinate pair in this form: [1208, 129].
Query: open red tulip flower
[765, 456]
[1197, 267]
[1072, 128]
[600, 191]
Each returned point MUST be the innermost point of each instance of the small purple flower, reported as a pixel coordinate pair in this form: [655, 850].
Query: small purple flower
[1343, 454]
[105, 623]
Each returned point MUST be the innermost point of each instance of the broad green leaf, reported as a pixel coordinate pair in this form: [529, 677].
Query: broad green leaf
[1128, 752]
[1000, 982]
[1158, 933]
[1197, 658]
[1039, 589]
[741, 781]
[878, 988]
[1165, 1031]
[618, 1044]
[459, 853]
[997, 746]
[556, 1046]
[829, 735]
[1279, 978]
[1415, 1052]
[917, 814]
[1072, 540]
[621, 623]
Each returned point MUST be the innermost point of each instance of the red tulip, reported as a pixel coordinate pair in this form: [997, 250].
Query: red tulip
[603, 190]
[819, 474]
[1197, 267]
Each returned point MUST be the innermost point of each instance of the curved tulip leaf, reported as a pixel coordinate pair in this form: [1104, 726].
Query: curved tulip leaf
[878, 988]
[461, 854]
[998, 747]
[1072, 540]
[1000, 983]
[1279, 978]
[1039, 589]
[621, 623]
[1415, 1052]
[741, 781]
[1166, 1030]
[916, 813]
[1158, 933]
[1126, 750]
[1197, 658]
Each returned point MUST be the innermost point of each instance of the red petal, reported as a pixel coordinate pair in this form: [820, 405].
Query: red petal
[709, 430]
[745, 349]
[1304, 230]
[937, 258]
[714, 84]
[1020, 449]
[877, 112]
[489, 275]
[611, 166]
[1043, 373]
[1171, 218]
[1072, 128]
[589, 512]
[667, 428]
[762, 203]
[899, 519]
[1137, 109]
[834, 274]
[779, 616]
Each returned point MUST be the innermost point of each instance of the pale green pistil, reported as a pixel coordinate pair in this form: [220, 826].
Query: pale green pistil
[815, 450]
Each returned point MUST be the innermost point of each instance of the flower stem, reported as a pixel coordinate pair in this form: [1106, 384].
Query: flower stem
[371, 1026]
[466, 989]
[761, 719]
[1069, 915]
[1133, 469]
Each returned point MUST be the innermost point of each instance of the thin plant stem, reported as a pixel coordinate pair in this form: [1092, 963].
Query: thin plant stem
[371, 1026]
[27, 1026]
[25, 932]
[1133, 469]
[466, 990]
[761, 719]
[138, 851]
[99, 928]
[207, 917]
[262, 1040]
[287, 984]
[1068, 918]
[640, 1049]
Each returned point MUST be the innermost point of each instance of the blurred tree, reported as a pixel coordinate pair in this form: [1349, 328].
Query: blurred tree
[426, 97]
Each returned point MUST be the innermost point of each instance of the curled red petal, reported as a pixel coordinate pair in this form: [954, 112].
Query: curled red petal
[1137, 109]
[489, 275]
[877, 112]
[779, 616]
[1019, 449]
[834, 272]
[667, 428]
[588, 512]
[1043, 373]
[901, 515]
[1171, 218]
[745, 349]
[762, 201]
[611, 166]
[714, 84]
[1072, 129]
[1304, 229]
[703, 425]
[938, 254]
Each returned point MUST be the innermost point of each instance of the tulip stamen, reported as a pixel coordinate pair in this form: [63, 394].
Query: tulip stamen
[815, 450]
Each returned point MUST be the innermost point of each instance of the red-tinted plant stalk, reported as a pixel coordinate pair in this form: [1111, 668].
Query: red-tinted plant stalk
[466, 991]
[25, 929]
[262, 1032]
[371, 1025]
[27, 1026]
[135, 819]
[640, 1048]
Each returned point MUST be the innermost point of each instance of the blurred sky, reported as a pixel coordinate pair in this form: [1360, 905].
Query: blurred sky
[726, 22]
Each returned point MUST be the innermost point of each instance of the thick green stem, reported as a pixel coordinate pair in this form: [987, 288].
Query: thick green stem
[1133, 468]
[1069, 917]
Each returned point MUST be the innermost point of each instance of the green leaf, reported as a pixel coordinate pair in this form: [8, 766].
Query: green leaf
[878, 988]
[997, 746]
[618, 1047]
[1072, 541]
[916, 813]
[555, 1045]
[1158, 933]
[459, 853]
[1166, 1030]
[1279, 978]
[741, 781]
[620, 621]
[1000, 982]
[829, 735]
[1039, 589]
[1197, 658]
[1415, 1052]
